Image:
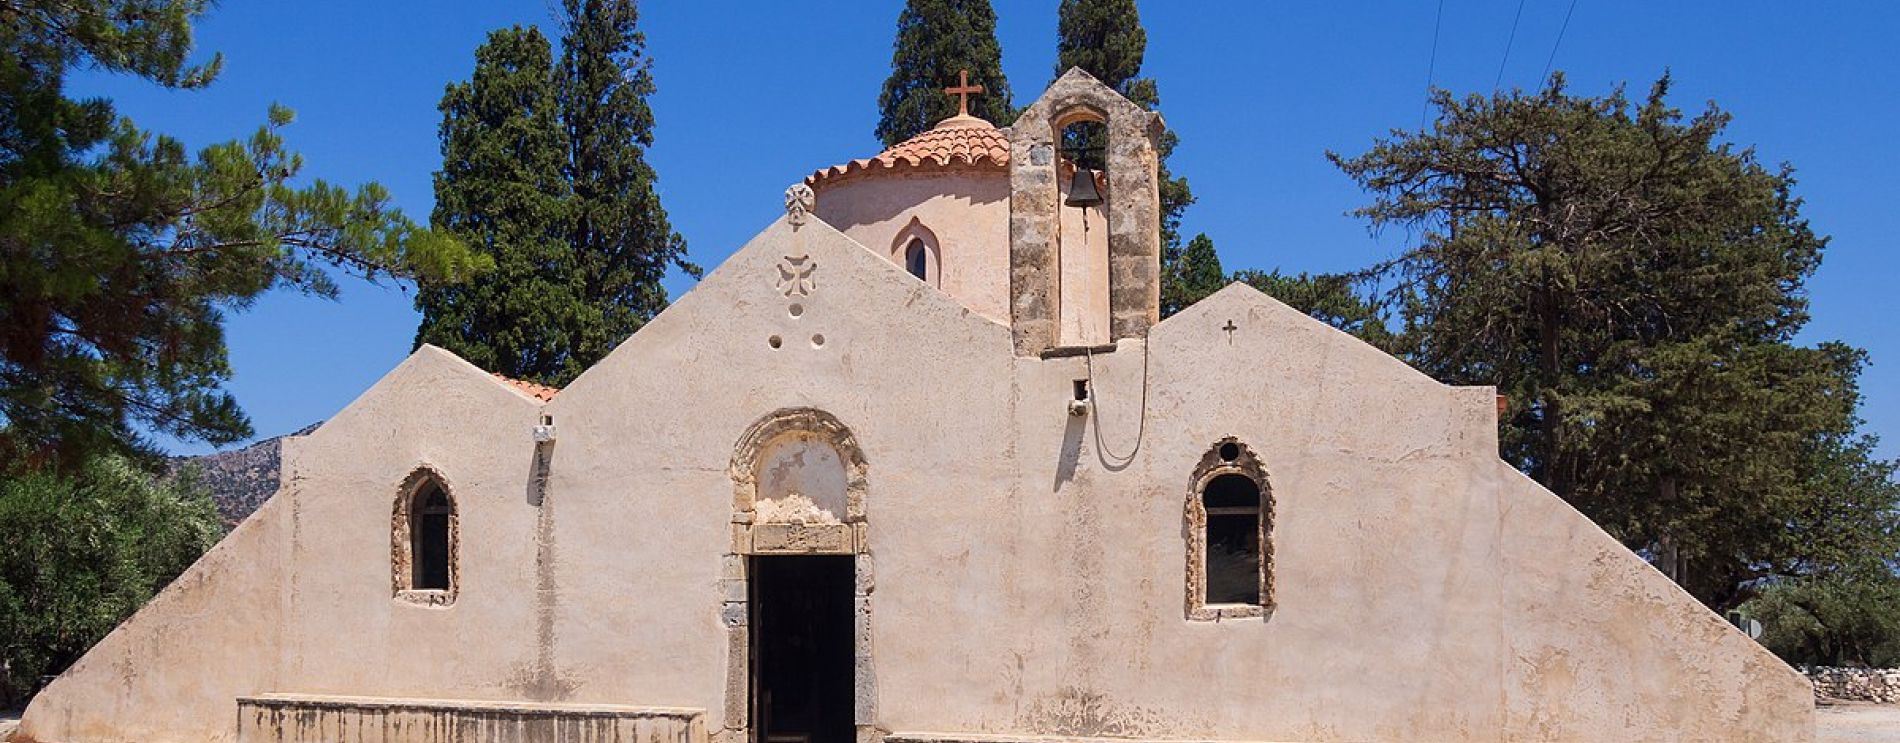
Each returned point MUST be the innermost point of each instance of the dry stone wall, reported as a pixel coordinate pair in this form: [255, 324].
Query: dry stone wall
[1881, 685]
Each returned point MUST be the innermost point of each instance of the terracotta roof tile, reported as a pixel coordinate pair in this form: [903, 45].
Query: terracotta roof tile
[540, 392]
[956, 142]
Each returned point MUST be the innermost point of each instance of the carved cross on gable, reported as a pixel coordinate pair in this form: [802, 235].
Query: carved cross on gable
[795, 275]
[962, 91]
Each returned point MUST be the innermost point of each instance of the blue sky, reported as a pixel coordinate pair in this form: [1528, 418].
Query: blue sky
[754, 96]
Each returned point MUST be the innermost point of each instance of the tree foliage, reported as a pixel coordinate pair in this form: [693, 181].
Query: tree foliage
[83, 550]
[935, 40]
[120, 251]
[1106, 39]
[1330, 298]
[1191, 277]
[1633, 285]
[1831, 620]
[501, 190]
[544, 169]
[624, 241]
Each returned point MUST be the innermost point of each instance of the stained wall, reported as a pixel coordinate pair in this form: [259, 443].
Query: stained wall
[1028, 562]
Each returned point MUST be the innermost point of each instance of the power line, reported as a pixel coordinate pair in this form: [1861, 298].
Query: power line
[1507, 45]
[1541, 79]
[1432, 66]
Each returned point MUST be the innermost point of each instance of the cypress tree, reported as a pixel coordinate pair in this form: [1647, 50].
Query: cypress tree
[544, 167]
[1105, 38]
[619, 229]
[501, 190]
[936, 39]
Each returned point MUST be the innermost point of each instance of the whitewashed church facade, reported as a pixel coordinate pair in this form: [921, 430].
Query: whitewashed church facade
[920, 464]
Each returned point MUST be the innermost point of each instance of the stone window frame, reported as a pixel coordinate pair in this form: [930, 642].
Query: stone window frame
[917, 231]
[1247, 464]
[402, 547]
[848, 538]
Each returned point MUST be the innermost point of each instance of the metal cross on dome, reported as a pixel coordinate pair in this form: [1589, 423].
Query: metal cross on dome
[962, 91]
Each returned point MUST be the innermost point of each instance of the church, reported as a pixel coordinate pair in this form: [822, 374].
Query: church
[920, 463]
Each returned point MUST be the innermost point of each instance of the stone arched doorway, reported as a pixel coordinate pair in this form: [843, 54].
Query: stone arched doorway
[798, 584]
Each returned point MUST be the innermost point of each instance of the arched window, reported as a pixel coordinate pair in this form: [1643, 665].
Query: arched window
[429, 538]
[917, 259]
[1232, 504]
[917, 250]
[1230, 536]
[424, 549]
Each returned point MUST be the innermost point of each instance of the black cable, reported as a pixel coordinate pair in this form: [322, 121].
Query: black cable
[1507, 45]
[1431, 67]
[1544, 78]
[1112, 460]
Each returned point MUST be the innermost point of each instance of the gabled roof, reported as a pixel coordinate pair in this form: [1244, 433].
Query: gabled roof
[540, 392]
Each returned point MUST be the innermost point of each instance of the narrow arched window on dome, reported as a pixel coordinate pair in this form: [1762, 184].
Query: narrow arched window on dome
[916, 250]
[917, 259]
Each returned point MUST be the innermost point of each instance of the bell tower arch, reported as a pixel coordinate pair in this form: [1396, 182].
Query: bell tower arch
[1133, 205]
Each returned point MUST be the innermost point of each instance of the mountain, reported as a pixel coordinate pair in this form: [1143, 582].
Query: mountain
[241, 480]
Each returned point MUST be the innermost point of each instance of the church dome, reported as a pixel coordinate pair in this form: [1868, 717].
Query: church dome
[960, 142]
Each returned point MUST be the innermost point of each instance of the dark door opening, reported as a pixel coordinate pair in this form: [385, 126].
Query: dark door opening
[802, 648]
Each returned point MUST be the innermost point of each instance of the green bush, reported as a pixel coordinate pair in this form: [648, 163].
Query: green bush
[80, 552]
[1834, 620]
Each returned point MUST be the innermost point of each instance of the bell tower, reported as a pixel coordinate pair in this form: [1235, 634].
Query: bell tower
[1132, 203]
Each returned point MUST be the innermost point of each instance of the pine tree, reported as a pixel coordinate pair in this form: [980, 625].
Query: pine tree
[501, 190]
[120, 251]
[1106, 39]
[1193, 277]
[619, 229]
[1633, 285]
[935, 40]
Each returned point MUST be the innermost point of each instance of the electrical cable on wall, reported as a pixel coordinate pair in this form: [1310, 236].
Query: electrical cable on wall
[1116, 461]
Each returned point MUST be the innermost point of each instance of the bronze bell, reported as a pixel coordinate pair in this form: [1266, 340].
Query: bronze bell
[1082, 190]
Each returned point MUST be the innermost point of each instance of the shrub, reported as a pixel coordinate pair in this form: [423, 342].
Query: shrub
[80, 552]
[1834, 620]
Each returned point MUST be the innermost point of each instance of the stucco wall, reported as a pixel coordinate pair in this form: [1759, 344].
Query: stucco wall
[1082, 315]
[1600, 640]
[1382, 613]
[968, 211]
[1028, 579]
[299, 596]
[439, 412]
